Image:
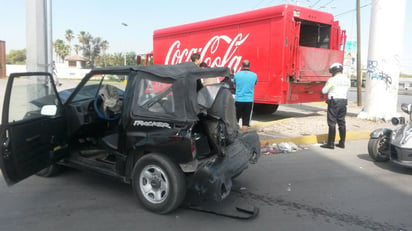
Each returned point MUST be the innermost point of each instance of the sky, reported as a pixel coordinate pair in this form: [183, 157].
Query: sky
[105, 18]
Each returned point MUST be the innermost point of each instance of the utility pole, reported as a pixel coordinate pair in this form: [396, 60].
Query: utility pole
[385, 46]
[358, 55]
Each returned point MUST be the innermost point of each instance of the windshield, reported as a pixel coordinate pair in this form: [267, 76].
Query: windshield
[91, 88]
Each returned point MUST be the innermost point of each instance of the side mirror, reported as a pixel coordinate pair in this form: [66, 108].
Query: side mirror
[407, 108]
[398, 120]
[48, 110]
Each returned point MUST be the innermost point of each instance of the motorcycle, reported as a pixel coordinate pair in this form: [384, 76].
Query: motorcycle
[393, 145]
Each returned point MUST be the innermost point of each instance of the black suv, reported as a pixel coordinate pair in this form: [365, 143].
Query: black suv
[154, 127]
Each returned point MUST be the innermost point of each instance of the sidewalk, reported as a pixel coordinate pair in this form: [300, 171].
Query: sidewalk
[306, 124]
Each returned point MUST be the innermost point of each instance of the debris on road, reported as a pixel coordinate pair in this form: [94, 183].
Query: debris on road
[283, 147]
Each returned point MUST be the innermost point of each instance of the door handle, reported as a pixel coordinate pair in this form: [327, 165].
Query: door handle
[31, 139]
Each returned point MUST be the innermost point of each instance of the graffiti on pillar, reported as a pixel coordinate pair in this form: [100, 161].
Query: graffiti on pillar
[374, 72]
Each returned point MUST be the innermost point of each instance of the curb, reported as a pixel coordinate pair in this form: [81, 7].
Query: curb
[315, 139]
[263, 124]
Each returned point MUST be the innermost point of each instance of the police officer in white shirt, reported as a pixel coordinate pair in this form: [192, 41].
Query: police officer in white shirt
[337, 89]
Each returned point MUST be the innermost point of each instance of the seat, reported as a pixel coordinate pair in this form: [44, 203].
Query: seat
[223, 108]
[218, 111]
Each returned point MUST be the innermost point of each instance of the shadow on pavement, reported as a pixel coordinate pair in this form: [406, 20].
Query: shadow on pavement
[302, 110]
[289, 111]
[387, 165]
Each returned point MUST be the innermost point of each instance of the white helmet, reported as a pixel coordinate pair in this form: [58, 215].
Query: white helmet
[335, 68]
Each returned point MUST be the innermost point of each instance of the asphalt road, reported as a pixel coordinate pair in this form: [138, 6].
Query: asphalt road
[313, 189]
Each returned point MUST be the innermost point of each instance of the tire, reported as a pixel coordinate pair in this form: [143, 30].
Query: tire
[378, 148]
[163, 181]
[50, 171]
[265, 109]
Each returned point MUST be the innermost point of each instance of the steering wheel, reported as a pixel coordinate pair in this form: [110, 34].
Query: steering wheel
[101, 113]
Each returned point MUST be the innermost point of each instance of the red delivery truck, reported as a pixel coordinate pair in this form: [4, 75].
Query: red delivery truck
[289, 47]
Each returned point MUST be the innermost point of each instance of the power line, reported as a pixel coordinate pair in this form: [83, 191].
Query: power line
[326, 4]
[315, 4]
[349, 11]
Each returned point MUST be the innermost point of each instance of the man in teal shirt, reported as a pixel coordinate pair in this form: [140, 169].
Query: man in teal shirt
[245, 82]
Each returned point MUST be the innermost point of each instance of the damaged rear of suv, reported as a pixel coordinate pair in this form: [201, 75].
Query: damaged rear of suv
[162, 132]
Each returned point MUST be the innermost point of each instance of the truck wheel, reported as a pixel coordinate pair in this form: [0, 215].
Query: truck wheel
[158, 183]
[49, 171]
[378, 149]
[265, 108]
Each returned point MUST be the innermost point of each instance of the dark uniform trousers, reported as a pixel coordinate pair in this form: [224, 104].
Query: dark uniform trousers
[336, 115]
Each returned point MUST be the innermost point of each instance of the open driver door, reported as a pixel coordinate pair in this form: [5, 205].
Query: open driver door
[33, 127]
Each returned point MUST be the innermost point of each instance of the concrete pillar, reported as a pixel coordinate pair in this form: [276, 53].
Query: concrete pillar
[38, 47]
[385, 44]
[39, 44]
[2, 59]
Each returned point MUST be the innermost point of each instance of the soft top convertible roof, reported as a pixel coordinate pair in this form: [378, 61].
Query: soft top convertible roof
[176, 71]
[184, 78]
[183, 70]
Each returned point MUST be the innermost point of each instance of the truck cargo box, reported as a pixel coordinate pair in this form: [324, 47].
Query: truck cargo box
[289, 47]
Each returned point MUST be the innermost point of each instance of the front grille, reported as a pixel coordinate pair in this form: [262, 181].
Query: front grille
[401, 154]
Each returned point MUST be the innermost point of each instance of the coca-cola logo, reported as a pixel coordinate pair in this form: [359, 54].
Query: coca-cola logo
[210, 52]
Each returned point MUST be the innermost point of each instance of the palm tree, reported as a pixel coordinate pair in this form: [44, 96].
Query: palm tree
[95, 49]
[61, 49]
[104, 45]
[82, 38]
[76, 48]
[69, 37]
[91, 47]
[87, 47]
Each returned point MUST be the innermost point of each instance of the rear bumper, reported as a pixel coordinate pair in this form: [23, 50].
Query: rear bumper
[214, 176]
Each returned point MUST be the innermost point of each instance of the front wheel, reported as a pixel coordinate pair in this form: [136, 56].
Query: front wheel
[378, 148]
[159, 183]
